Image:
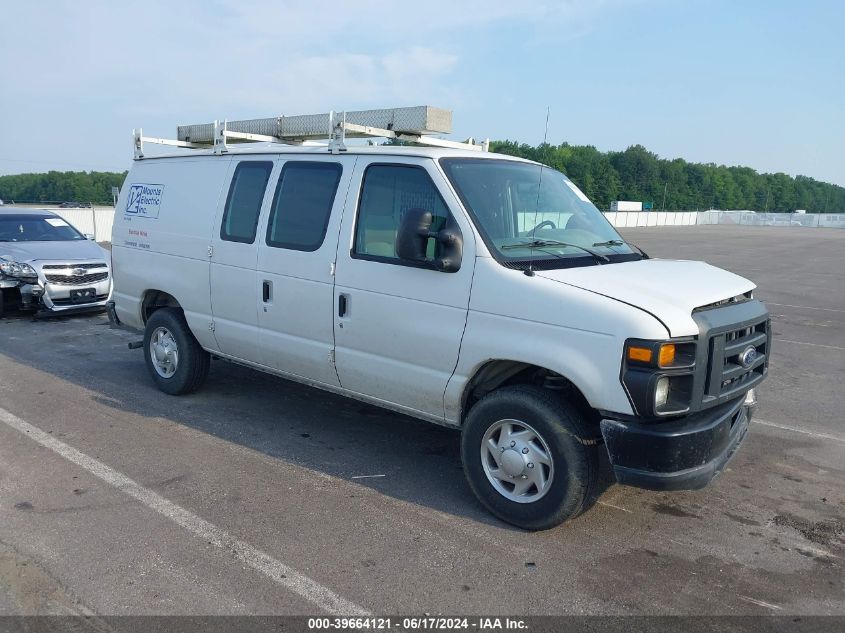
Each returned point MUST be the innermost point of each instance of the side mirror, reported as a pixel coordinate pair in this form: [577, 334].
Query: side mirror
[90, 236]
[414, 233]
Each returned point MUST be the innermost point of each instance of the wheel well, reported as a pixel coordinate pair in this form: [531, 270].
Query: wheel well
[501, 373]
[155, 300]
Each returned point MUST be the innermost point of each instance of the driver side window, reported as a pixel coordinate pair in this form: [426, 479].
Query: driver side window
[388, 191]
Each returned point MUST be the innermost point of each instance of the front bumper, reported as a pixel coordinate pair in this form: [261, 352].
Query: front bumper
[685, 454]
[27, 293]
[55, 298]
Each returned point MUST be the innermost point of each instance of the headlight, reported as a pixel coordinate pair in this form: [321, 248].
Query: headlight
[14, 269]
[658, 376]
[661, 392]
[659, 354]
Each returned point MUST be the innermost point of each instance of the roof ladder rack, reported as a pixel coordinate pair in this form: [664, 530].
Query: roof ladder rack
[415, 124]
[139, 139]
[342, 127]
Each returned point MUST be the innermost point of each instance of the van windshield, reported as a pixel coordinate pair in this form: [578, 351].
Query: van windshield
[533, 215]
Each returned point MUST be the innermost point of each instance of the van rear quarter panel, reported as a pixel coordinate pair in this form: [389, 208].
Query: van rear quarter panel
[168, 249]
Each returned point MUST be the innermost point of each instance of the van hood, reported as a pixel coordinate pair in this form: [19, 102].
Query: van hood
[667, 289]
[66, 250]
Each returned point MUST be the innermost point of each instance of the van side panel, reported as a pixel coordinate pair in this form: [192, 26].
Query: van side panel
[296, 320]
[162, 231]
[398, 330]
[510, 319]
[233, 276]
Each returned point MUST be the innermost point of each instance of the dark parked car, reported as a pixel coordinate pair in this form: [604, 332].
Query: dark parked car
[75, 205]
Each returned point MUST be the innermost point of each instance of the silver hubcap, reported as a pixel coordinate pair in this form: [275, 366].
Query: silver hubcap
[517, 461]
[164, 352]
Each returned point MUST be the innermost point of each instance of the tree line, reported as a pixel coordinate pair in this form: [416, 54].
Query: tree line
[61, 186]
[634, 174]
[676, 185]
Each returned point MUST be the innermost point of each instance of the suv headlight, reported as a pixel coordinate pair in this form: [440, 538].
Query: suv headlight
[657, 375]
[14, 269]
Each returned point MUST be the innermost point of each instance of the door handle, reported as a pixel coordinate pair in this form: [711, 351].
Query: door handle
[266, 290]
[342, 305]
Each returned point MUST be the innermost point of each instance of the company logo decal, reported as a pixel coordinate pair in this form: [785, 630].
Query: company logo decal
[144, 200]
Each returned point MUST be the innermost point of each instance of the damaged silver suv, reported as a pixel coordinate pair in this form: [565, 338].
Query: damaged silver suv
[46, 265]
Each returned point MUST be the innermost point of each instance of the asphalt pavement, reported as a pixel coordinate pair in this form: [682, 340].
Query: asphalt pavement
[260, 496]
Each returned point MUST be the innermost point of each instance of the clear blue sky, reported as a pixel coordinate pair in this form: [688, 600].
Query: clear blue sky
[757, 83]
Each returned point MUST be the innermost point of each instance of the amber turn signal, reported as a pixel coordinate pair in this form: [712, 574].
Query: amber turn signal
[667, 355]
[640, 354]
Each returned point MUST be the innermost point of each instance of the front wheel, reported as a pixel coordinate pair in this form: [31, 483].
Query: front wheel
[528, 457]
[176, 361]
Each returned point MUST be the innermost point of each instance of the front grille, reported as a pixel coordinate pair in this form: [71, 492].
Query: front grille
[727, 377]
[73, 274]
[718, 304]
[76, 280]
[63, 266]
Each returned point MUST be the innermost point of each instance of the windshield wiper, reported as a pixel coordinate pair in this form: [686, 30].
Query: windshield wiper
[620, 243]
[641, 251]
[600, 259]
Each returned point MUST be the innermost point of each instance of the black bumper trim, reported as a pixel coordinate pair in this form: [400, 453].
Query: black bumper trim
[682, 455]
[116, 324]
[113, 320]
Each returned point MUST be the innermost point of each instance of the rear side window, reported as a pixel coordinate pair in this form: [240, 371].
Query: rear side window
[240, 219]
[302, 205]
[387, 193]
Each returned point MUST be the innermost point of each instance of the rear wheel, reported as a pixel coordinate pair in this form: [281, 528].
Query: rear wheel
[176, 361]
[528, 456]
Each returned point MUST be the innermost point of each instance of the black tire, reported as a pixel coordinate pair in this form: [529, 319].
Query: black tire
[572, 450]
[1, 303]
[193, 361]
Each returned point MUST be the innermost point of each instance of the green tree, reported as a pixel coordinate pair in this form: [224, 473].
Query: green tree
[637, 174]
[54, 186]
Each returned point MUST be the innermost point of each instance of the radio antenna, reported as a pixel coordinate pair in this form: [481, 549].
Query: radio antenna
[530, 271]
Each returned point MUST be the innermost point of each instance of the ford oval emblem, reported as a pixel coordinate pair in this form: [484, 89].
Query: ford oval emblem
[747, 357]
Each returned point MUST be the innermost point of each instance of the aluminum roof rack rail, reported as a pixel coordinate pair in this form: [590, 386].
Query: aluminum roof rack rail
[415, 124]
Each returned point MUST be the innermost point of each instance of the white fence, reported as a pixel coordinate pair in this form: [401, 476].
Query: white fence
[98, 221]
[623, 219]
[745, 218]
[651, 218]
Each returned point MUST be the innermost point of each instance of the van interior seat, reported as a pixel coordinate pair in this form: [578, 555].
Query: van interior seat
[380, 236]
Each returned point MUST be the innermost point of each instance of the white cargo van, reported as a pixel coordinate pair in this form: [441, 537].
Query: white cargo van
[454, 285]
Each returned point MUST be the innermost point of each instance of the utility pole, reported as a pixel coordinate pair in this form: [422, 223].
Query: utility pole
[663, 206]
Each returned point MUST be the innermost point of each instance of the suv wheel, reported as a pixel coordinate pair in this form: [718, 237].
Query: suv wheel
[175, 360]
[528, 457]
